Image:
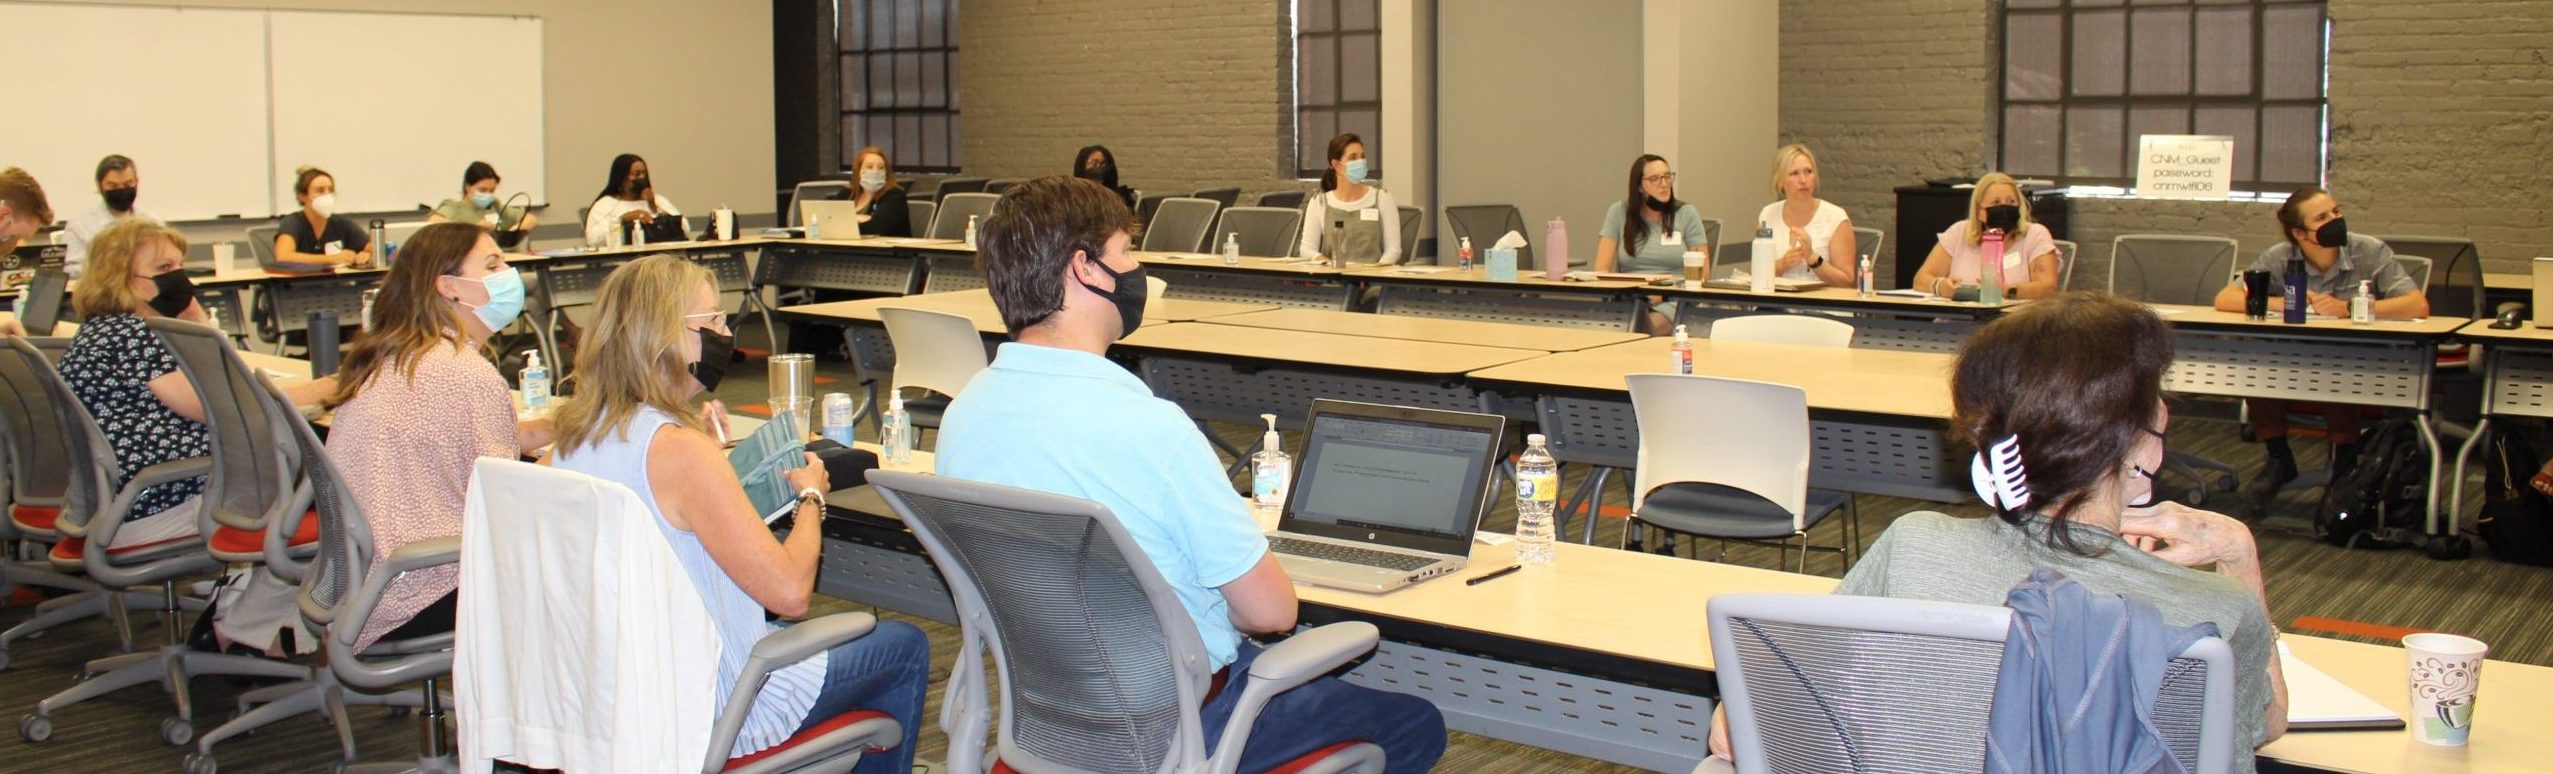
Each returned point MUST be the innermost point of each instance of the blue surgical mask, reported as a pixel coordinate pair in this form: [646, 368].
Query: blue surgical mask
[505, 299]
[1356, 170]
[483, 200]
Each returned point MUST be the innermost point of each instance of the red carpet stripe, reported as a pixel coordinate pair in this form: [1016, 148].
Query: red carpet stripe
[2358, 628]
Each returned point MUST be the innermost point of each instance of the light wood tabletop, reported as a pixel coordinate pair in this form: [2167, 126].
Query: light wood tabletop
[1321, 349]
[1407, 328]
[977, 306]
[2508, 717]
[2501, 281]
[1479, 275]
[2425, 327]
[2526, 333]
[1842, 298]
[1206, 261]
[1874, 381]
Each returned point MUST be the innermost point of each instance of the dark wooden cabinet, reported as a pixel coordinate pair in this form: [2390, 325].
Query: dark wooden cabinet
[1924, 210]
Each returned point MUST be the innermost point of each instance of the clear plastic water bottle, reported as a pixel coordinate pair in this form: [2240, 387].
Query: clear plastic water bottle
[536, 383]
[1680, 354]
[896, 433]
[1537, 487]
[1465, 256]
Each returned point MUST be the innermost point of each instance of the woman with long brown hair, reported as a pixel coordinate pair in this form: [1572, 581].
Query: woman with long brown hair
[418, 403]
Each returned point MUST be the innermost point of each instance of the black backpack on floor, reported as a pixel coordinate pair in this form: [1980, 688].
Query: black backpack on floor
[2516, 520]
[2383, 503]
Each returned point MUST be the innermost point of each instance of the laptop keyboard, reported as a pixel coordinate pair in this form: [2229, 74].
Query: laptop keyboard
[1314, 549]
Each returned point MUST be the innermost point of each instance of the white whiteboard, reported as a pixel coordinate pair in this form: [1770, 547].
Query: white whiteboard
[217, 119]
[395, 105]
[182, 91]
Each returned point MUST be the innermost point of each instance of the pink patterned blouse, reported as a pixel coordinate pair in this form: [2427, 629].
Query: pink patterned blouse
[406, 447]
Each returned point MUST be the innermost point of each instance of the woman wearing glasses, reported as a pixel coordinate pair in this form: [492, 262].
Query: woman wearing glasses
[1656, 240]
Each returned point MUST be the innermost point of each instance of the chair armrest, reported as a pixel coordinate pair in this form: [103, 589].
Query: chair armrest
[174, 470]
[101, 525]
[1300, 659]
[415, 556]
[789, 645]
[277, 545]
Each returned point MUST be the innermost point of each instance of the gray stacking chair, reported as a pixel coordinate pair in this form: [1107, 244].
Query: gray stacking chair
[1824, 683]
[1037, 574]
[1483, 224]
[39, 479]
[1180, 225]
[917, 216]
[2066, 252]
[950, 221]
[1266, 232]
[1690, 481]
[94, 509]
[1289, 199]
[2170, 269]
[959, 185]
[1223, 197]
[812, 190]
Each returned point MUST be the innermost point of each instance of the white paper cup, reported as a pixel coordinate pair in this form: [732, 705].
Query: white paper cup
[225, 257]
[2446, 672]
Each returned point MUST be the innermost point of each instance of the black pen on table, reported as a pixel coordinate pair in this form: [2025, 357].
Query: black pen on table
[1493, 575]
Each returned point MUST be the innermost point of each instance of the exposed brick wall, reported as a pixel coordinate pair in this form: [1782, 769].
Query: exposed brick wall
[1187, 93]
[2442, 119]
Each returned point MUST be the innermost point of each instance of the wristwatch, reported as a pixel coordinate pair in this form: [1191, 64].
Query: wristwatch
[1819, 263]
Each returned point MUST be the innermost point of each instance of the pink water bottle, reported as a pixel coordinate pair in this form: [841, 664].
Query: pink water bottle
[1555, 254]
[1990, 269]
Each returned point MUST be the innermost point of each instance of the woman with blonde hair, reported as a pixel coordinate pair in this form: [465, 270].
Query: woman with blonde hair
[418, 403]
[129, 379]
[658, 340]
[2030, 265]
[1816, 237]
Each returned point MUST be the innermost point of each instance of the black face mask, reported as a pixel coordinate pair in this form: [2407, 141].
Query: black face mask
[1130, 296]
[2003, 217]
[1097, 173]
[2333, 234]
[121, 199]
[176, 293]
[640, 185]
[715, 350]
[1656, 204]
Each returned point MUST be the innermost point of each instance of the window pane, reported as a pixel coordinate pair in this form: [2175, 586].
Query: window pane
[2080, 3]
[936, 140]
[2034, 56]
[935, 86]
[2238, 123]
[950, 62]
[2030, 3]
[881, 82]
[908, 80]
[908, 23]
[2030, 140]
[854, 85]
[2292, 51]
[1313, 15]
[2225, 51]
[1312, 129]
[1361, 68]
[935, 29]
[2291, 150]
[1317, 72]
[1358, 15]
[2162, 55]
[2100, 53]
[2145, 120]
[881, 25]
[2094, 142]
[851, 30]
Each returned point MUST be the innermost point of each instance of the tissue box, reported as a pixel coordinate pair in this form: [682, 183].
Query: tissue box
[1502, 265]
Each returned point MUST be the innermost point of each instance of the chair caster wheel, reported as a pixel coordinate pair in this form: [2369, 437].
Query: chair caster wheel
[2196, 496]
[35, 728]
[200, 763]
[176, 731]
[2447, 548]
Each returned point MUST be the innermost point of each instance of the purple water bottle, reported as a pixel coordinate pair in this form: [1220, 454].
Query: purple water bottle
[1555, 256]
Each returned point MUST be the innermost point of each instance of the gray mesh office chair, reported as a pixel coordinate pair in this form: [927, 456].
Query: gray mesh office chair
[1179, 225]
[94, 510]
[1146, 205]
[337, 559]
[1267, 232]
[2066, 251]
[2418, 267]
[2455, 285]
[997, 187]
[1483, 224]
[1223, 197]
[1036, 574]
[2171, 269]
[950, 221]
[1822, 683]
[39, 480]
[1293, 199]
[812, 190]
[917, 215]
[959, 185]
[1711, 232]
[1412, 219]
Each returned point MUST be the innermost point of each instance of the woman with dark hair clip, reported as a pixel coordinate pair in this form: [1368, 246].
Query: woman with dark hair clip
[628, 196]
[1352, 219]
[1096, 164]
[2070, 389]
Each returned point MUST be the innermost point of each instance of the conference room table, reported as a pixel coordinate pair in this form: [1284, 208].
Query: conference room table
[2517, 384]
[1880, 321]
[1413, 328]
[1288, 282]
[1583, 300]
[1605, 653]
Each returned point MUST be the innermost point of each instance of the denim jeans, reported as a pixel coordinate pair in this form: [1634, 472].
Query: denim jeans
[1324, 712]
[887, 671]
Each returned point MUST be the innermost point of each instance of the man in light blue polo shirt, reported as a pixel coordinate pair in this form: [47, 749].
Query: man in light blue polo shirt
[1054, 414]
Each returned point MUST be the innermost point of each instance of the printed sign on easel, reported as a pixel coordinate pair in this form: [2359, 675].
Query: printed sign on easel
[2185, 166]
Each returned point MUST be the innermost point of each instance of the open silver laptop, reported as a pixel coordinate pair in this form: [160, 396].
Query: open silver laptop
[833, 219]
[1385, 496]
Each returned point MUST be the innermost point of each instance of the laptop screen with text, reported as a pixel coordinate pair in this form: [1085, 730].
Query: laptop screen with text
[1405, 476]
